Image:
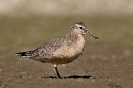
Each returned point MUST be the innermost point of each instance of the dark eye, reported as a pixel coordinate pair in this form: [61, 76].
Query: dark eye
[80, 27]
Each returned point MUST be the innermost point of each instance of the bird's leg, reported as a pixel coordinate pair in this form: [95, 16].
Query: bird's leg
[56, 72]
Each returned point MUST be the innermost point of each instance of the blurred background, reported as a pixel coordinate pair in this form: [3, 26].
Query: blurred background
[27, 24]
[66, 7]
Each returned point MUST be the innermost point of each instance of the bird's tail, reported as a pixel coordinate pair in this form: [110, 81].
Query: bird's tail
[24, 54]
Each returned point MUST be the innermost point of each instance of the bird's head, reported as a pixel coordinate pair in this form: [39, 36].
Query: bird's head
[81, 29]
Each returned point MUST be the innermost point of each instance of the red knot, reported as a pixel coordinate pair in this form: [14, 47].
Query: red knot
[61, 50]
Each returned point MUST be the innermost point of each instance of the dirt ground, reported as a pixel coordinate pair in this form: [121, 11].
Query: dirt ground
[105, 63]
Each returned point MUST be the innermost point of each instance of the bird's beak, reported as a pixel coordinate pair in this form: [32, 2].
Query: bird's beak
[90, 34]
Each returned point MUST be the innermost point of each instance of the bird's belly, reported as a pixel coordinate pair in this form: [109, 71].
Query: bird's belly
[66, 55]
[61, 60]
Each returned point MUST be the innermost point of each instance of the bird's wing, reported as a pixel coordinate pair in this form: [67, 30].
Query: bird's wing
[47, 50]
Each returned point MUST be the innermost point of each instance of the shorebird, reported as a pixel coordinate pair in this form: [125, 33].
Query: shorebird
[61, 50]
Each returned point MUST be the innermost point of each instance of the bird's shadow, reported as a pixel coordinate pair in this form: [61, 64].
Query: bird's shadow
[69, 77]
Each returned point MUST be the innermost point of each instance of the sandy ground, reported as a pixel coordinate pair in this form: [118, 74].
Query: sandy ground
[116, 72]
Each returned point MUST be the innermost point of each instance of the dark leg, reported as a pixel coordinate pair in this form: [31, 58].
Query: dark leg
[56, 72]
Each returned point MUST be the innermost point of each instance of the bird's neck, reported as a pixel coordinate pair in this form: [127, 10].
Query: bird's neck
[75, 34]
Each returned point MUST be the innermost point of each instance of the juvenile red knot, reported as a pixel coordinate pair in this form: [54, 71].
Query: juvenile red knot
[61, 50]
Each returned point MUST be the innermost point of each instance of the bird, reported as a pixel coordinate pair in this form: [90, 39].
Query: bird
[61, 50]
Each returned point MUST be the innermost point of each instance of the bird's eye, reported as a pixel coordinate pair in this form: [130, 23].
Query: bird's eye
[80, 27]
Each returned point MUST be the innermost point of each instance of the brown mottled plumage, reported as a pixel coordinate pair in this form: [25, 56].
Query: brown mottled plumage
[61, 50]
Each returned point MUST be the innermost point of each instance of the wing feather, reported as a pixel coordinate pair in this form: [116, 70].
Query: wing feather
[47, 50]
